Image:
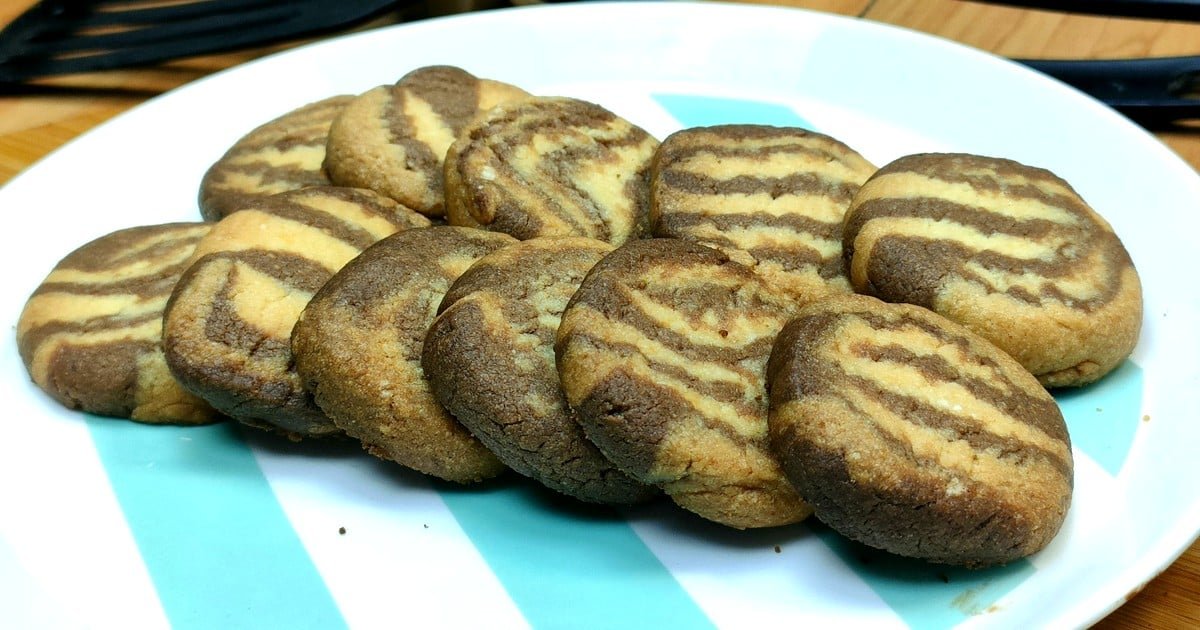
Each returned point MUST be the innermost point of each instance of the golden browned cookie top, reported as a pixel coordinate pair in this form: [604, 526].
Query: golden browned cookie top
[551, 167]
[228, 327]
[910, 433]
[772, 198]
[489, 357]
[284, 154]
[393, 139]
[358, 348]
[1008, 250]
[662, 354]
[91, 334]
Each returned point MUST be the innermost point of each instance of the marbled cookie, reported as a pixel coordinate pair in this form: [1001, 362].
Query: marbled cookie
[227, 330]
[91, 334]
[1010, 251]
[662, 353]
[284, 154]
[772, 198]
[489, 357]
[551, 167]
[909, 433]
[393, 138]
[358, 347]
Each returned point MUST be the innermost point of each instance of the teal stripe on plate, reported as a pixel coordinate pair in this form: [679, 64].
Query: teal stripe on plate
[219, 548]
[569, 565]
[926, 596]
[1104, 417]
[694, 110]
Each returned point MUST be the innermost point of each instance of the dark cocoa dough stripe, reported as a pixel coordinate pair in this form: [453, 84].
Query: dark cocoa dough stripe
[936, 209]
[922, 281]
[36, 336]
[270, 174]
[680, 222]
[112, 251]
[451, 92]
[511, 217]
[725, 392]
[418, 156]
[642, 425]
[621, 308]
[293, 270]
[701, 147]
[145, 287]
[332, 226]
[801, 184]
[224, 327]
[560, 115]
[804, 337]
[368, 203]
[108, 384]
[922, 414]
[800, 258]
[1015, 402]
[936, 166]
[314, 137]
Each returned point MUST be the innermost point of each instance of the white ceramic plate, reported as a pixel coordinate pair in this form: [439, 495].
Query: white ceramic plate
[110, 524]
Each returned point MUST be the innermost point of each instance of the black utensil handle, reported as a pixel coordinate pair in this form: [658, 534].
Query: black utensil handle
[1154, 92]
[1184, 10]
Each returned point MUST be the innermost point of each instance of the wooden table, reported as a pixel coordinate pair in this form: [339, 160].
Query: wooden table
[33, 125]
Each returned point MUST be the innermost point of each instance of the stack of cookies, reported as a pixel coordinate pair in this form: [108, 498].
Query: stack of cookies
[754, 321]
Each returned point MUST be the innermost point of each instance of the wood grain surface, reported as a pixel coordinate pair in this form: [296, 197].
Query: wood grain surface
[32, 125]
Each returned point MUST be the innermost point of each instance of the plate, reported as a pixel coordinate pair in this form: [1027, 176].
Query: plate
[108, 523]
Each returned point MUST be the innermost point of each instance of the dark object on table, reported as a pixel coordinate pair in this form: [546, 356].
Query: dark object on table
[57, 37]
[1155, 92]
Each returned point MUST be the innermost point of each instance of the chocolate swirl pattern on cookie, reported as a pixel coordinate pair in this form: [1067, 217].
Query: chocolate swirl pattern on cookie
[393, 139]
[1010, 251]
[909, 433]
[91, 334]
[227, 330]
[284, 154]
[551, 167]
[772, 198]
[662, 352]
[358, 347]
[489, 357]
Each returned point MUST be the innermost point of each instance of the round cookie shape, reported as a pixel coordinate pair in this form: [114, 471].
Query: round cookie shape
[551, 167]
[489, 357]
[662, 353]
[1010, 251]
[91, 333]
[358, 347]
[284, 154]
[227, 329]
[909, 433]
[772, 198]
[393, 139]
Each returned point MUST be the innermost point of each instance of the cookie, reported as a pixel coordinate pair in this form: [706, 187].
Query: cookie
[393, 139]
[662, 353]
[489, 357]
[909, 433]
[227, 329]
[358, 348]
[284, 154]
[91, 334]
[772, 198]
[551, 167]
[1010, 251]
